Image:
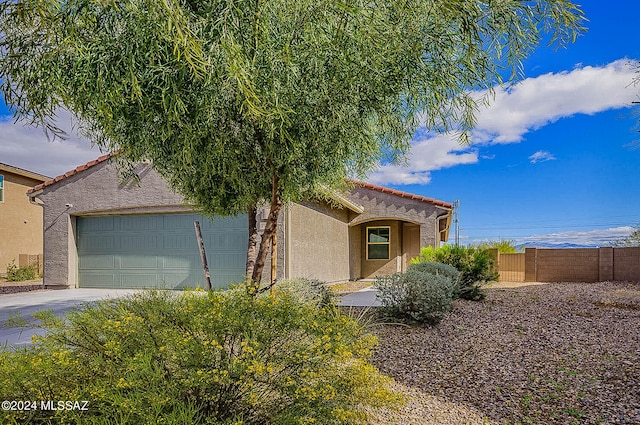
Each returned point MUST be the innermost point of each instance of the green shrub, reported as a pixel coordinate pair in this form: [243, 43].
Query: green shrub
[19, 274]
[475, 266]
[308, 290]
[415, 296]
[198, 358]
[438, 269]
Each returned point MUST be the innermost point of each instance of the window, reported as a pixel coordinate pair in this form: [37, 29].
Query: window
[1, 188]
[378, 246]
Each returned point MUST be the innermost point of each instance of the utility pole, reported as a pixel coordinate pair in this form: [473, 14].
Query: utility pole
[456, 222]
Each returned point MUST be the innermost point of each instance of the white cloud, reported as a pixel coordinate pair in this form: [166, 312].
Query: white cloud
[536, 102]
[516, 110]
[427, 154]
[600, 237]
[541, 156]
[27, 147]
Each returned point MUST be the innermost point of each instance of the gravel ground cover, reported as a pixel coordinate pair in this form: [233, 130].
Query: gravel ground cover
[566, 353]
[15, 287]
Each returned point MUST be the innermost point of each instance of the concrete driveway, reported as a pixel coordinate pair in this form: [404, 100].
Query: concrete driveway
[60, 301]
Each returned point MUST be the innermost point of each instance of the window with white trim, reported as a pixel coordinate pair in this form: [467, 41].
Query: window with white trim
[378, 243]
[1, 188]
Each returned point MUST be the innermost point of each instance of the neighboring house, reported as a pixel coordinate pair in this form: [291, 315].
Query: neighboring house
[103, 232]
[20, 221]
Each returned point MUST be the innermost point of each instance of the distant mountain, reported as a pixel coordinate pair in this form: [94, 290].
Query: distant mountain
[552, 245]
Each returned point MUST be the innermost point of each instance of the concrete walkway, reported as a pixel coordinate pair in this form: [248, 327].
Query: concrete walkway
[24, 304]
[363, 298]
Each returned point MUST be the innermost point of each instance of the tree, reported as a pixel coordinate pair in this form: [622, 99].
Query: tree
[630, 241]
[503, 246]
[239, 103]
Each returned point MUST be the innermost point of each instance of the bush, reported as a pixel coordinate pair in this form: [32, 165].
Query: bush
[475, 266]
[415, 296]
[308, 290]
[438, 269]
[198, 358]
[19, 274]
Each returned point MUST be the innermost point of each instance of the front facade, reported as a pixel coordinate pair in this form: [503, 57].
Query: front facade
[101, 231]
[20, 221]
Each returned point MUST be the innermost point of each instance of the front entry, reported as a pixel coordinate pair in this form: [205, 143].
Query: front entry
[387, 246]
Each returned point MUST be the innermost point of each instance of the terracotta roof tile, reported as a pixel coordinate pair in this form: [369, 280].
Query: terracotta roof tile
[403, 194]
[70, 173]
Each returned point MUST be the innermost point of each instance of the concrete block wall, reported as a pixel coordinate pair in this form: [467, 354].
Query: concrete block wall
[582, 264]
[626, 264]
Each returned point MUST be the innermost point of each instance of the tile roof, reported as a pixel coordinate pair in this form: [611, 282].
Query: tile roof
[371, 186]
[403, 194]
[22, 172]
[70, 173]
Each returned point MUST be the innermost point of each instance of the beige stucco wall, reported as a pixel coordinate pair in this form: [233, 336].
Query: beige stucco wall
[318, 242]
[379, 205]
[373, 268]
[20, 221]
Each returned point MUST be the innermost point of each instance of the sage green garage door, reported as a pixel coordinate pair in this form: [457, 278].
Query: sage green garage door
[159, 251]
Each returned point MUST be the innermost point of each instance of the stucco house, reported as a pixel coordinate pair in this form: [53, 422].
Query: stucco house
[20, 221]
[103, 232]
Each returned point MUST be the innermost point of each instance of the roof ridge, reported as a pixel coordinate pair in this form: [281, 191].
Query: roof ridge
[70, 173]
[402, 194]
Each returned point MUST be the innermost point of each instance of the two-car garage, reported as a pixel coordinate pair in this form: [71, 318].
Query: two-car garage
[158, 250]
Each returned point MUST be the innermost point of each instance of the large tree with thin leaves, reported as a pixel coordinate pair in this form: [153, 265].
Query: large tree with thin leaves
[245, 102]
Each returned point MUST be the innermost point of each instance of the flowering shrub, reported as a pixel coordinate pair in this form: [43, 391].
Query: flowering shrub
[198, 358]
[415, 296]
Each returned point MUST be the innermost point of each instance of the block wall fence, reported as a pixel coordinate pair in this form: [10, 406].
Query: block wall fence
[571, 265]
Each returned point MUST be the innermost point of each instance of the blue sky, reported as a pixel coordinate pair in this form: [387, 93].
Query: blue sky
[550, 160]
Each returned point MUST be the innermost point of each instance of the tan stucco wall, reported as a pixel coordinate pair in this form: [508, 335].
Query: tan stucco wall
[373, 268]
[20, 221]
[318, 242]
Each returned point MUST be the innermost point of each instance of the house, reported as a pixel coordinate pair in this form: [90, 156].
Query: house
[20, 221]
[101, 231]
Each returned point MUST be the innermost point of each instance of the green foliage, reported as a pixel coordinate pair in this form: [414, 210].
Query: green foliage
[503, 246]
[630, 241]
[415, 295]
[437, 268]
[308, 291]
[475, 265]
[19, 274]
[198, 358]
[241, 102]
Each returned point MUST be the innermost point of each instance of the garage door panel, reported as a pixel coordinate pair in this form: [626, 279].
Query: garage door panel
[143, 262]
[159, 250]
[92, 261]
[179, 241]
[138, 280]
[176, 262]
[98, 280]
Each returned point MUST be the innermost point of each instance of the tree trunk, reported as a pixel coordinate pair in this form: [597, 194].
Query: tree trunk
[253, 242]
[269, 230]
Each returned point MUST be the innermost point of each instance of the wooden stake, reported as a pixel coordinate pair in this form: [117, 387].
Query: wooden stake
[203, 255]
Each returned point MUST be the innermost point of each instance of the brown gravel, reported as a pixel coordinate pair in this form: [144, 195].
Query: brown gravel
[566, 353]
[15, 287]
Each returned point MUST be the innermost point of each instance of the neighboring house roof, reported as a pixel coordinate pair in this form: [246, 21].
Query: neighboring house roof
[402, 194]
[21, 172]
[69, 173]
